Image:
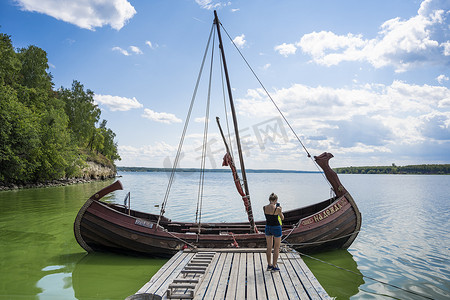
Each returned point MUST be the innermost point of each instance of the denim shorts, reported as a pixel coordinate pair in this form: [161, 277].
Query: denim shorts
[273, 230]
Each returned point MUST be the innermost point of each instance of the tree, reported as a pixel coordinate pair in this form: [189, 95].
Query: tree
[34, 68]
[57, 152]
[10, 63]
[109, 146]
[82, 112]
[19, 138]
[44, 134]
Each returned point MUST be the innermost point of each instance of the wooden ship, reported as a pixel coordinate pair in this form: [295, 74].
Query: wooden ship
[331, 224]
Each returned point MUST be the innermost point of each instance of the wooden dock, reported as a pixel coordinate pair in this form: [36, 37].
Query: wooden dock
[236, 273]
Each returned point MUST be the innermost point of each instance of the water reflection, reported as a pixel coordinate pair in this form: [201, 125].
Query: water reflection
[109, 276]
[337, 282]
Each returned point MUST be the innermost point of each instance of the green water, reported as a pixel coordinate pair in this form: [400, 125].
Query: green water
[40, 258]
[404, 238]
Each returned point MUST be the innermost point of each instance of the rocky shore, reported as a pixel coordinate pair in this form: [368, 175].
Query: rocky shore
[92, 172]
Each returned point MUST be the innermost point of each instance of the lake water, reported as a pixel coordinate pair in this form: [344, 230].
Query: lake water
[404, 239]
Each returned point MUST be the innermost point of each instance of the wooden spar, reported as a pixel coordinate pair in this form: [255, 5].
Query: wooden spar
[223, 136]
[228, 161]
[236, 128]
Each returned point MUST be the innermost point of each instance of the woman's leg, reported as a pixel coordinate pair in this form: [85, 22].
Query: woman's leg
[276, 250]
[269, 240]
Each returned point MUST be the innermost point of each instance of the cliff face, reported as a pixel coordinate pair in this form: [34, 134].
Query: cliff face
[98, 172]
[91, 172]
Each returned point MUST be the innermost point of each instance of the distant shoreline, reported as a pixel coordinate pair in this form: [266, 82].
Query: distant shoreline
[224, 170]
[443, 169]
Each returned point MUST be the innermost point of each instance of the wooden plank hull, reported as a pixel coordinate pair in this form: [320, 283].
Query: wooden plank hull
[331, 224]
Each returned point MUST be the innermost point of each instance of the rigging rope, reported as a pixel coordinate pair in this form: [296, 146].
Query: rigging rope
[365, 276]
[205, 141]
[180, 145]
[276, 106]
[180, 239]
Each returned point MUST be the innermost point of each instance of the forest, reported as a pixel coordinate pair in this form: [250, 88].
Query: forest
[411, 169]
[46, 133]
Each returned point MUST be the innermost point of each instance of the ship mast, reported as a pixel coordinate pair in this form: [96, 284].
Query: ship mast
[236, 128]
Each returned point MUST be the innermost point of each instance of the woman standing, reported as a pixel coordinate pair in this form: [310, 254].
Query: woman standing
[274, 218]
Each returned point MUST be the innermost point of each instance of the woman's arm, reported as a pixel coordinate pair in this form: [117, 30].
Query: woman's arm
[279, 212]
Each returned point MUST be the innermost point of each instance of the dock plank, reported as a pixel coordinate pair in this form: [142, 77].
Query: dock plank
[232, 281]
[165, 269]
[251, 280]
[317, 286]
[296, 284]
[260, 268]
[207, 280]
[281, 279]
[268, 279]
[309, 288]
[224, 275]
[241, 282]
[236, 274]
[211, 288]
[161, 285]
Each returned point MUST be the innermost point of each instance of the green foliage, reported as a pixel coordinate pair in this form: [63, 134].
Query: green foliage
[34, 68]
[10, 63]
[46, 134]
[19, 138]
[82, 112]
[107, 146]
[412, 169]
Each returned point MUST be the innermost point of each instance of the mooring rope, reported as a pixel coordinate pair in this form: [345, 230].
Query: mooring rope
[362, 275]
[318, 242]
[368, 277]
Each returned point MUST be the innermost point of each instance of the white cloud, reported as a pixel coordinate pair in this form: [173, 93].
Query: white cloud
[266, 66]
[400, 43]
[200, 120]
[442, 78]
[286, 49]
[122, 51]
[320, 44]
[210, 4]
[88, 14]
[365, 124]
[145, 156]
[373, 118]
[446, 47]
[163, 117]
[151, 45]
[136, 50]
[240, 41]
[116, 103]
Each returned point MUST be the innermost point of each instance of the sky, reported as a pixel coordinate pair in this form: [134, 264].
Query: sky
[368, 81]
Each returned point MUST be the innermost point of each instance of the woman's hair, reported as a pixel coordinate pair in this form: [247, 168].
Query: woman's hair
[273, 197]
